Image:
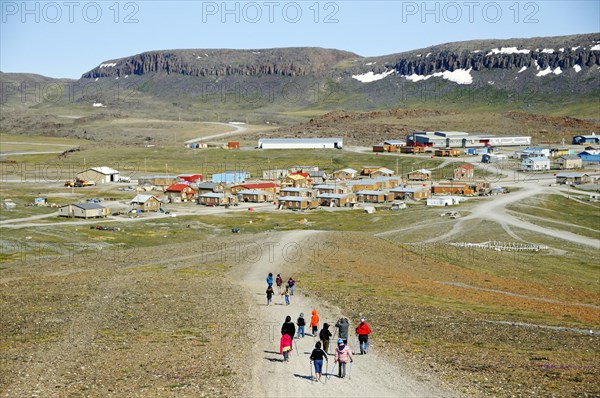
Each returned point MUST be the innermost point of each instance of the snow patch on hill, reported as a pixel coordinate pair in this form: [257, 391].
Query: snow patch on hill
[508, 50]
[372, 77]
[459, 76]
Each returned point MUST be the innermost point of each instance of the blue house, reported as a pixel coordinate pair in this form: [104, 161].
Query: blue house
[589, 157]
[586, 139]
[230, 177]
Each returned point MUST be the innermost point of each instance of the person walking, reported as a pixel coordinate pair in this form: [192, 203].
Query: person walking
[269, 295]
[363, 331]
[301, 323]
[291, 284]
[317, 357]
[285, 346]
[270, 279]
[343, 355]
[324, 336]
[288, 327]
[286, 295]
[279, 282]
[314, 322]
[343, 325]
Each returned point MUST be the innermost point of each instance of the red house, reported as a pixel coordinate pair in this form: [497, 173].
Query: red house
[180, 193]
[464, 171]
[191, 177]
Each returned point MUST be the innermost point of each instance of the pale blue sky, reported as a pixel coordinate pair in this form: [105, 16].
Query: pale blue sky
[68, 38]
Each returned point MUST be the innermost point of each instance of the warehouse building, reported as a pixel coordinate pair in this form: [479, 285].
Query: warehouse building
[300, 143]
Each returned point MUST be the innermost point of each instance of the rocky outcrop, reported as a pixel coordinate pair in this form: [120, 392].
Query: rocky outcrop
[281, 62]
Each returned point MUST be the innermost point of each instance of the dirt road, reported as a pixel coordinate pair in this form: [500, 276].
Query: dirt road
[372, 374]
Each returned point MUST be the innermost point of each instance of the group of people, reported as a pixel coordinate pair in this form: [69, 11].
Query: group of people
[288, 290]
[343, 354]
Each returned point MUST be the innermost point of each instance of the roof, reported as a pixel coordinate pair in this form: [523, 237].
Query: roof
[88, 206]
[158, 176]
[364, 181]
[190, 175]
[213, 195]
[537, 159]
[465, 166]
[299, 173]
[297, 177]
[326, 186]
[422, 171]
[569, 157]
[299, 140]
[178, 187]
[294, 198]
[384, 170]
[333, 195]
[142, 198]
[295, 189]
[104, 170]
[571, 175]
[394, 142]
[347, 170]
[258, 185]
[208, 185]
[408, 189]
[370, 192]
[254, 192]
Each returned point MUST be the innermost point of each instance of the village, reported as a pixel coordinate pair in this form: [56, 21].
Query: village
[372, 188]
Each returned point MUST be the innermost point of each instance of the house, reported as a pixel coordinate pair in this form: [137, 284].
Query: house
[465, 171]
[255, 196]
[556, 152]
[569, 162]
[589, 156]
[83, 210]
[443, 201]
[233, 145]
[317, 176]
[191, 178]
[452, 188]
[412, 193]
[493, 158]
[274, 174]
[395, 143]
[586, 139]
[216, 199]
[367, 170]
[180, 193]
[263, 186]
[447, 152]
[364, 184]
[296, 180]
[535, 163]
[297, 202]
[382, 172]
[158, 181]
[535, 152]
[573, 178]
[100, 175]
[331, 189]
[345, 174]
[230, 177]
[336, 199]
[371, 196]
[387, 182]
[419, 175]
[296, 191]
[300, 143]
[207, 186]
[145, 203]
[412, 149]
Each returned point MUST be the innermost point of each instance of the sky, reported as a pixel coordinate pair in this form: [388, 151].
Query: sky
[64, 39]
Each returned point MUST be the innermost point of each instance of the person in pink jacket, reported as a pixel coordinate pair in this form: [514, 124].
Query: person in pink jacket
[343, 355]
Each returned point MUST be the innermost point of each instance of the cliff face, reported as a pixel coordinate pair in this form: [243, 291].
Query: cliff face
[280, 62]
[450, 61]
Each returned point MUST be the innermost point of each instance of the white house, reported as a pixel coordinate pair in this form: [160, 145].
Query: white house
[535, 163]
[443, 201]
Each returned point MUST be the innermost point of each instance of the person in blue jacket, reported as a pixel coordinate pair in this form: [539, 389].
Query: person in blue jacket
[270, 279]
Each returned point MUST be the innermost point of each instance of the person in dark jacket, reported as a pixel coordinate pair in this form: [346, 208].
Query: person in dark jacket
[288, 327]
[279, 282]
[301, 323]
[269, 295]
[343, 325]
[324, 336]
[317, 356]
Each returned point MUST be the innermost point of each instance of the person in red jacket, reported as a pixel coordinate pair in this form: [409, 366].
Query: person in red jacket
[363, 331]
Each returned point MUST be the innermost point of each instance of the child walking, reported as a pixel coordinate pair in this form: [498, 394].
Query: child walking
[314, 322]
[301, 323]
[269, 295]
[343, 355]
[317, 356]
[285, 346]
[286, 295]
[279, 282]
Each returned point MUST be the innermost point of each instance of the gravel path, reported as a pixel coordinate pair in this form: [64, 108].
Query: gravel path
[372, 375]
